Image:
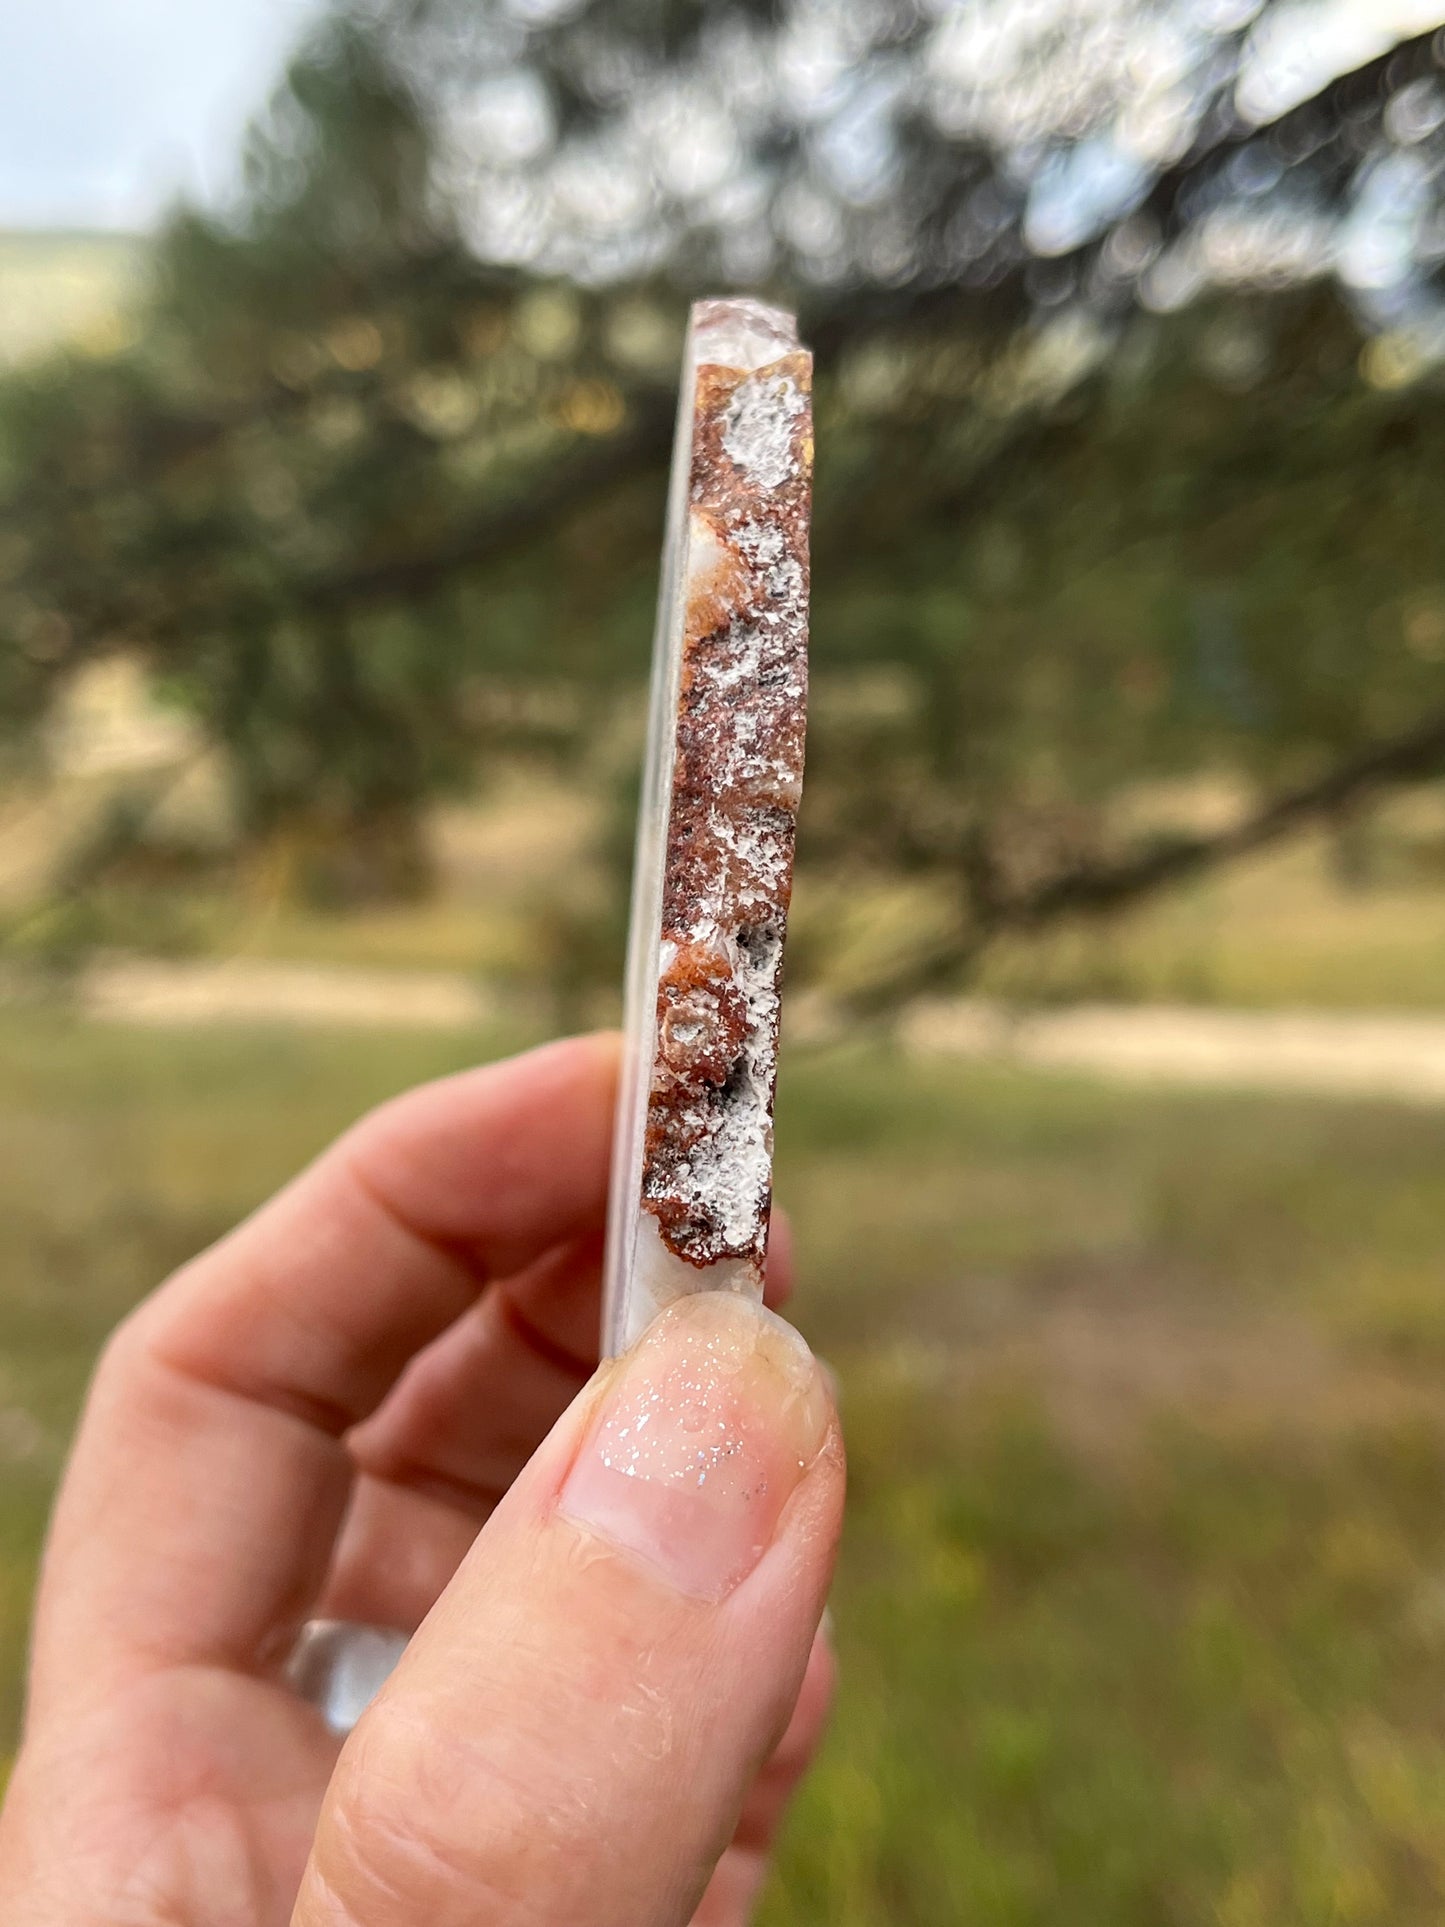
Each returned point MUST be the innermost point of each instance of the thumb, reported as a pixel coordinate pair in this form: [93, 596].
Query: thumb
[572, 1731]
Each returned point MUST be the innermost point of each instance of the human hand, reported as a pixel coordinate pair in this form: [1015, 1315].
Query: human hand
[610, 1693]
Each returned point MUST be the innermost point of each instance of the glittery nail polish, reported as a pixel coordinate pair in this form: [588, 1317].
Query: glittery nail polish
[703, 1434]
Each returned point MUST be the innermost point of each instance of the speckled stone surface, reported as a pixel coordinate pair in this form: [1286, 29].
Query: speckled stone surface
[692, 1171]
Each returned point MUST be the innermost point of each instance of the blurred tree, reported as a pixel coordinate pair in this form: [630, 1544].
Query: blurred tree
[1128, 415]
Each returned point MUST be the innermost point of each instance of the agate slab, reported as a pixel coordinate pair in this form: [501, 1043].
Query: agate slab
[692, 1158]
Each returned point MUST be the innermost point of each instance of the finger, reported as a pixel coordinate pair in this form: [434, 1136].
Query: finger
[571, 1734]
[735, 1888]
[200, 1510]
[396, 1553]
[461, 1423]
[469, 1411]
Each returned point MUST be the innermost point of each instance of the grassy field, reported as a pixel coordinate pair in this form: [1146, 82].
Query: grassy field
[1142, 1607]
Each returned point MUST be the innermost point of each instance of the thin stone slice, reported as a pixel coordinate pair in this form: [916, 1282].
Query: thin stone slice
[692, 1160]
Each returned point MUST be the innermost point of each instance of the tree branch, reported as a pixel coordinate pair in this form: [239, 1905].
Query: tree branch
[569, 485]
[1098, 890]
[1102, 889]
[1308, 126]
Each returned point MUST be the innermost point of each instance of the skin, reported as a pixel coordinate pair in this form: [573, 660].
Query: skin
[370, 1401]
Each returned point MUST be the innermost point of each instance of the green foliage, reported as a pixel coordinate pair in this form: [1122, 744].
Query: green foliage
[1103, 496]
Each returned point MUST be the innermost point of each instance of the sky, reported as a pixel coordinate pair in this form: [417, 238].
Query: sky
[1302, 44]
[110, 108]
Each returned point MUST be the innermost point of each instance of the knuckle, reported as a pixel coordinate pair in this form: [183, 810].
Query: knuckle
[123, 1352]
[404, 1840]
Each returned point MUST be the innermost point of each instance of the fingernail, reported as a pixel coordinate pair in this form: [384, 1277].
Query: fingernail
[708, 1425]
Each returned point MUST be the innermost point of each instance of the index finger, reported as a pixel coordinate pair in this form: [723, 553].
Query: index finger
[209, 1477]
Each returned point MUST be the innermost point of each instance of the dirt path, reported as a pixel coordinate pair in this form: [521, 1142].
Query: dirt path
[147, 991]
[1370, 1054]
[1346, 1054]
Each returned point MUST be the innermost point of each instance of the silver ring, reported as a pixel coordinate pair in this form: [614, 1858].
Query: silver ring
[340, 1667]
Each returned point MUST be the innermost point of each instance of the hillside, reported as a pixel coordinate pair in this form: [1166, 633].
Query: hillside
[65, 286]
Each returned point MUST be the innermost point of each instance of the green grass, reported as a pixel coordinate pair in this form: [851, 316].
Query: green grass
[1142, 1609]
[1142, 1602]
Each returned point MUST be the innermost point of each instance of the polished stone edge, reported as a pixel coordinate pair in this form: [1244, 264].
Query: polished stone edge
[693, 1171]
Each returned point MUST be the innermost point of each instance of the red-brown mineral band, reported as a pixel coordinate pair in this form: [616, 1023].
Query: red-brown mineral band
[731, 685]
